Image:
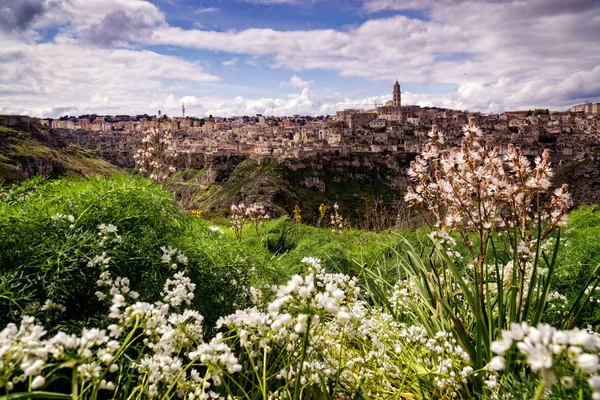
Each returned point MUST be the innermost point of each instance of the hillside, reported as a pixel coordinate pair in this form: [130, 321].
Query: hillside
[28, 149]
[361, 187]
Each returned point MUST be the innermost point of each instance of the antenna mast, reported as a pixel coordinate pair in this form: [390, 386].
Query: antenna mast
[183, 110]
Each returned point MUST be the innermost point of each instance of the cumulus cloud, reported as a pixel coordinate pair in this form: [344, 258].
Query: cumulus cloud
[76, 17]
[499, 54]
[19, 15]
[532, 43]
[306, 103]
[118, 26]
[297, 82]
[84, 79]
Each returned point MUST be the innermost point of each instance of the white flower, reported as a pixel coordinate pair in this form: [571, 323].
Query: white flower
[38, 382]
[567, 382]
[343, 317]
[594, 382]
[496, 363]
[587, 362]
[501, 346]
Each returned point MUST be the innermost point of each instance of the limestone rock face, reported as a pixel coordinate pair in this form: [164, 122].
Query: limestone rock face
[314, 182]
[583, 178]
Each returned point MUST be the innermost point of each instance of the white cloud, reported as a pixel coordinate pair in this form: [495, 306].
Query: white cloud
[525, 43]
[204, 10]
[230, 63]
[46, 79]
[297, 82]
[498, 53]
[306, 102]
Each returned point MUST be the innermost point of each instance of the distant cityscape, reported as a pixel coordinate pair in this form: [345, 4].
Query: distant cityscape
[390, 127]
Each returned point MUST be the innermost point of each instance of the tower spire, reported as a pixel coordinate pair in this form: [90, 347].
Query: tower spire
[397, 95]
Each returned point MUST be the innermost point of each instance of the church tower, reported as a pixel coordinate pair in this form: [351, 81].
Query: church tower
[397, 98]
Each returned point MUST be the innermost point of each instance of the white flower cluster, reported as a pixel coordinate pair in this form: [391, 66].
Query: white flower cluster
[64, 219]
[337, 221]
[557, 303]
[347, 341]
[156, 158]
[474, 188]
[594, 293]
[171, 256]
[446, 241]
[50, 305]
[240, 213]
[216, 229]
[173, 356]
[257, 212]
[179, 290]
[108, 234]
[102, 260]
[25, 354]
[402, 297]
[115, 286]
[544, 347]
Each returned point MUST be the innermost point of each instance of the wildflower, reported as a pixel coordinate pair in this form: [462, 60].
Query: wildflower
[297, 214]
[178, 290]
[567, 382]
[337, 222]
[587, 362]
[216, 229]
[156, 157]
[496, 363]
[238, 219]
[38, 382]
[51, 305]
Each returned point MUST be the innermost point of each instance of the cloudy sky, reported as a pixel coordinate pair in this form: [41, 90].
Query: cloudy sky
[282, 57]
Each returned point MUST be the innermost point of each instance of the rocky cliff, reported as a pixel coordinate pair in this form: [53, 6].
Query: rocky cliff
[27, 149]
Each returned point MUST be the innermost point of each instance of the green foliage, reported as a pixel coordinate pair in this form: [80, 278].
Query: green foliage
[541, 111]
[45, 256]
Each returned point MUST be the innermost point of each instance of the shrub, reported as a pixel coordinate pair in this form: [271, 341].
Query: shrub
[53, 231]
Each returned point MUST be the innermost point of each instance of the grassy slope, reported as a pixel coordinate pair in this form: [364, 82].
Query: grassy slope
[23, 154]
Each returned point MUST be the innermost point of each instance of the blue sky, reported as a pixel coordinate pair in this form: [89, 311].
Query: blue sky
[233, 57]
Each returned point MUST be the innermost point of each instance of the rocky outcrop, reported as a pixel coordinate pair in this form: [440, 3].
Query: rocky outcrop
[38, 151]
[313, 182]
[583, 178]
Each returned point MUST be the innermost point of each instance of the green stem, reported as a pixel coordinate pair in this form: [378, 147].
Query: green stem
[304, 347]
[539, 392]
[264, 384]
[74, 386]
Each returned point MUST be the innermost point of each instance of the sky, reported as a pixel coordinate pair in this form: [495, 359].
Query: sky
[285, 57]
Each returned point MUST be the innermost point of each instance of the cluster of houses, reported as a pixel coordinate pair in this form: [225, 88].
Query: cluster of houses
[392, 127]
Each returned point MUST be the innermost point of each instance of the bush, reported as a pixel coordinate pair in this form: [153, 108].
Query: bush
[51, 233]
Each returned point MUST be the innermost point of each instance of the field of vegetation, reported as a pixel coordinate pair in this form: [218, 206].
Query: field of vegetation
[108, 289]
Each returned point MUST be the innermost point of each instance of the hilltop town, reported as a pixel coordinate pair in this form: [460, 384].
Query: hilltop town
[389, 128]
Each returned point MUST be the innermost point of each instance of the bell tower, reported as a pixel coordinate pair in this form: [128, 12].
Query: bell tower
[397, 95]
